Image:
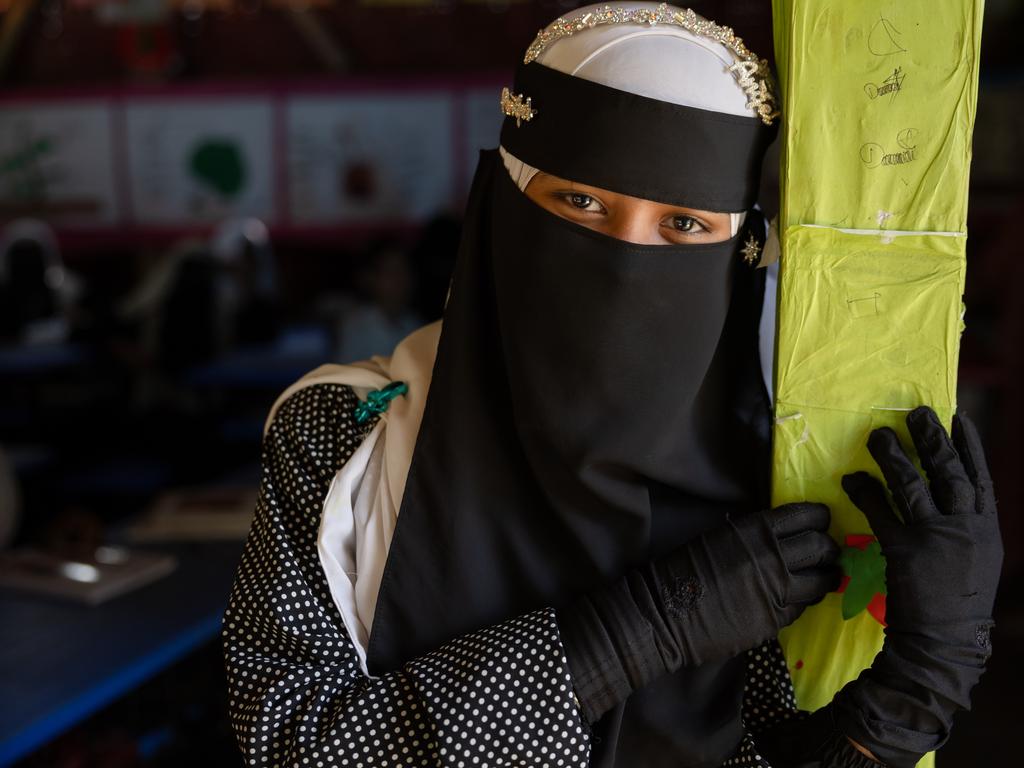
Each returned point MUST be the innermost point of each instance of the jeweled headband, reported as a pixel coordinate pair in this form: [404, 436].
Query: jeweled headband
[751, 72]
[599, 135]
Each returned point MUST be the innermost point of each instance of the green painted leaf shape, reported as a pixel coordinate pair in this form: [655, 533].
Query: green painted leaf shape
[866, 569]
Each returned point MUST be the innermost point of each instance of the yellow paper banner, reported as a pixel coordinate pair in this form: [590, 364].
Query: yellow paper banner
[878, 102]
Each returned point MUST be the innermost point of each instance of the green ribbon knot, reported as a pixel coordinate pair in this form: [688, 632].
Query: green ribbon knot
[377, 401]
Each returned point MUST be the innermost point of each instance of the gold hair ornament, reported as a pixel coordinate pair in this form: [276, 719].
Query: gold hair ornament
[751, 72]
[512, 104]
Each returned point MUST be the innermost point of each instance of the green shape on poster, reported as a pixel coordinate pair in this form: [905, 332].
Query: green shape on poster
[219, 163]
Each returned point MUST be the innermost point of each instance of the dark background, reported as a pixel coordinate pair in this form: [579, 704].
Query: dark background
[94, 437]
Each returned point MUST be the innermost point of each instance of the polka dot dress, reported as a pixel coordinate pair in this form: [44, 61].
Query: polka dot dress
[767, 699]
[501, 696]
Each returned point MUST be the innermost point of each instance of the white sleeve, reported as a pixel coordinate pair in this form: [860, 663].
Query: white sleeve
[356, 528]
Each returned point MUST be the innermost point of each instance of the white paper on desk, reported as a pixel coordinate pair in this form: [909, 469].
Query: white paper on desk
[111, 572]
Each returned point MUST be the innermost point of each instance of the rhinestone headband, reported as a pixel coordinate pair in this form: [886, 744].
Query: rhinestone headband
[751, 73]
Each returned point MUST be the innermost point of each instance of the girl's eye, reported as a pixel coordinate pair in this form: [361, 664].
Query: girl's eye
[583, 202]
[686, 224]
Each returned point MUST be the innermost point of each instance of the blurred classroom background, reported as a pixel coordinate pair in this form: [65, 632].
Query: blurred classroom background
[201, 200]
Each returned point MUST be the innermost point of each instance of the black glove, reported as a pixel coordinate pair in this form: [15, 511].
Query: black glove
[723, 593]
[942, 568]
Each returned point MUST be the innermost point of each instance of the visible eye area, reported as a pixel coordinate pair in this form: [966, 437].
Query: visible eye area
[686, 224]
[583, 202]
[630, 219]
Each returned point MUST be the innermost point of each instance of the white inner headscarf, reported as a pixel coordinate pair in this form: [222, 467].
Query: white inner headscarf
[665, 63]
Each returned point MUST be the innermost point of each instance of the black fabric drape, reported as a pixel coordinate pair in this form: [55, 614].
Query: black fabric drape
[602, 136]
[593, 403]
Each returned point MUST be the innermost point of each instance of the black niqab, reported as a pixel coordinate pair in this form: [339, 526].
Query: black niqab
[593, 403]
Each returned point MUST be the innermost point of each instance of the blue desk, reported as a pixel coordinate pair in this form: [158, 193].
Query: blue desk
[39, 360]
[61, 662]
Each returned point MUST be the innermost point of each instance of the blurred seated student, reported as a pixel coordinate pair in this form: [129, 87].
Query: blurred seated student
[381, 314]
[188, 328]
[200, 299]
[247, 283]
[37, 293]
[168, 320]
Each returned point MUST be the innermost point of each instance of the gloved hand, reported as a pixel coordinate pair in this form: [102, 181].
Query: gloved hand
[727, 591]
[942, 567]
